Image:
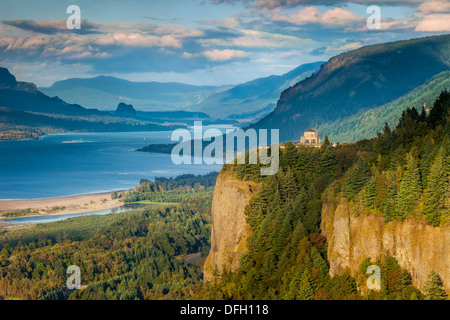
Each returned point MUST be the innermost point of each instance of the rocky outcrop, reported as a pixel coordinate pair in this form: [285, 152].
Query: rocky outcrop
[125, 110]
[8, 81]
[229, 228]
[418, 247]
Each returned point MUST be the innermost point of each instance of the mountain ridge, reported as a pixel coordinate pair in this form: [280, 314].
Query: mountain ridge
[253, 97]
[357, 80]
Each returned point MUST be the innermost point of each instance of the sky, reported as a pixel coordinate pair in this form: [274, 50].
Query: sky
[201, 42]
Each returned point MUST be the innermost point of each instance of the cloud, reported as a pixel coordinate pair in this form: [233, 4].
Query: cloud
[435, 6]
[224, 55]
[273, 4]
[310, 15]
[434, 23]
[337, 47]
[258, 39]
[138, 40]
[229, 22]
[51, 26]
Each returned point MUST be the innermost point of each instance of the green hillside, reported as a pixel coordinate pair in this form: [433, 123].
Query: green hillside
[368, 123]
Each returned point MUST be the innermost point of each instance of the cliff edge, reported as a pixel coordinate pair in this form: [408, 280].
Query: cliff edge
[417, 247]
[229, 228]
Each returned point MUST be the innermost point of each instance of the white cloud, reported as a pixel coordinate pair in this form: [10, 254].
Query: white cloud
[307, 15]
[259, 39]
[435, 6]
[224, 55]
[138, 40]
[434, 23]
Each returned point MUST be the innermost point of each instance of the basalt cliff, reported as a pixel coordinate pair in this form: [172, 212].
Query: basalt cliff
[417, 247]
[229, 228]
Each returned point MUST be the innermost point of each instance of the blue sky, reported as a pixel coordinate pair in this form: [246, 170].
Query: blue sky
[213, 42]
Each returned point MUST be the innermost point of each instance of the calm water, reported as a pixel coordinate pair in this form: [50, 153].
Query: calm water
[16, 222]
[71, 164]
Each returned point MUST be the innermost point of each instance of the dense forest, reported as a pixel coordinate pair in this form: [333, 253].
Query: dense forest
[404, 173]
[182, 188]
[131, 255]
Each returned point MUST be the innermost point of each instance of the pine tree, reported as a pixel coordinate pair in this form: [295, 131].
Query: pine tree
[290, 185]
[294, 285]
[356, 179]
[440, 109]
[326, 142]
[433, 287]
[371, 191]
[282, 233]
[404, 281]
[306, 290]
[289, 158]
[319, 263]
[438, 181]
[409, 189]
[327, 162]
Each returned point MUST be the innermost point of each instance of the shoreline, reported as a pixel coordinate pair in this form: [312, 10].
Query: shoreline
[60, 205]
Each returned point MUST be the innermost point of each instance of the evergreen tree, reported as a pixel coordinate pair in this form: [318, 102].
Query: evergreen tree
[290, 185]
[327, 162]
[438, 181]
[371, 191]
[440, 109]
[356, 179]
[410, 188]
[289, 157]
[306, 289]
[433, 287]
[319, 263]
[294, 286]
[326, 142]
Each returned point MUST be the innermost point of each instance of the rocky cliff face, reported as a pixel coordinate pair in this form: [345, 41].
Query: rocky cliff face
[229, 229]
[417, 247]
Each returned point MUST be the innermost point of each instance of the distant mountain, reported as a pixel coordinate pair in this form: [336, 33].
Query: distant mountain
[254, 98]
[8, 81]
[365, 125]
[357, 81]
[24, 96]
[26, 112]
[11, 119]
[106, 93]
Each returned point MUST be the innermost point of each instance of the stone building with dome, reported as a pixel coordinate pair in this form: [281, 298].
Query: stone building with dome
[311, 139]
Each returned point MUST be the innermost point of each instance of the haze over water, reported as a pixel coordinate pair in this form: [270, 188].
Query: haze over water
[79, 163]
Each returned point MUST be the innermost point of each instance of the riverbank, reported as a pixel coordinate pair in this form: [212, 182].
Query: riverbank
[62, 205]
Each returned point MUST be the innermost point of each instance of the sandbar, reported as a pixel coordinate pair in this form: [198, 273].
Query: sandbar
[62, 205]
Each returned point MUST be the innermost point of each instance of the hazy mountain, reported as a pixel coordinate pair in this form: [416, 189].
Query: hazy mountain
[356, 81]
[24, 96]
[106, 93]
[11, 119]
[25, 112]
[252, 98]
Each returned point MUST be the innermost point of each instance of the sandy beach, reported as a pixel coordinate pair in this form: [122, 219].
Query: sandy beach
[62, 205]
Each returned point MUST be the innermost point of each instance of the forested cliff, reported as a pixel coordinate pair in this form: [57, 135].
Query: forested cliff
[329, 213]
